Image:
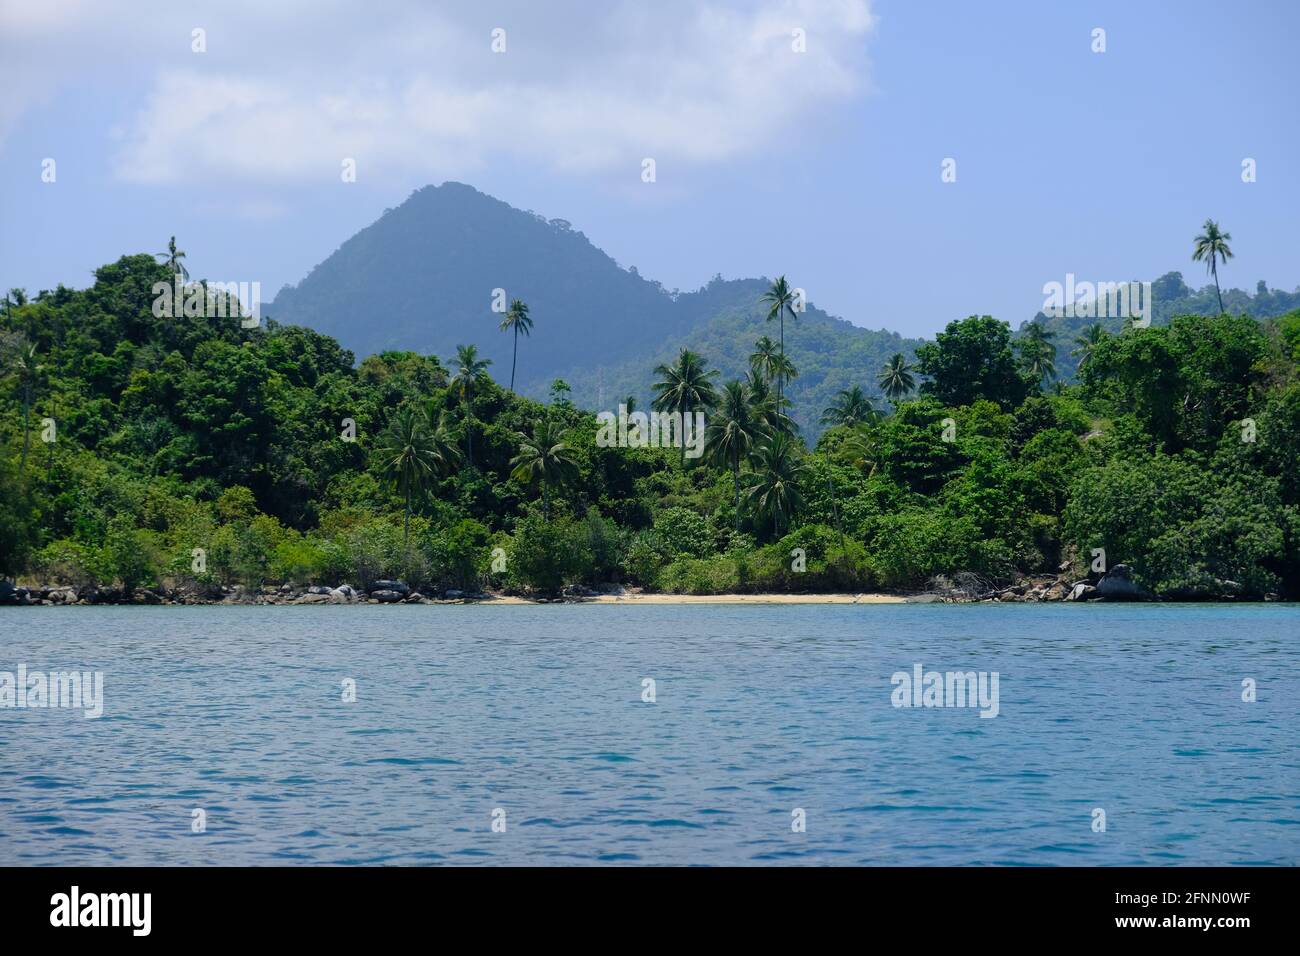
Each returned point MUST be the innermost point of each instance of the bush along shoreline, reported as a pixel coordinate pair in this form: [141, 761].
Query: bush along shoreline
[194, 459]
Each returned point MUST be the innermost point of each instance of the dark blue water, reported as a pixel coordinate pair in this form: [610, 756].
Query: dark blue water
[760, 710]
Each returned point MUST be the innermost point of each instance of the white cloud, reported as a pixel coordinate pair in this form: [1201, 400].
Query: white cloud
[285, 93]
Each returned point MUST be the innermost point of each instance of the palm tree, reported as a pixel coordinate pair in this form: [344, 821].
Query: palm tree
[470, 373]
[764, 404]
[765, 359]
[173, 256]
[21, 357]
[780, 300]
[785, 372]
[862, 448]
[412, 453]
[630, 404]
[14, 297]
[1038, 352]
[544, 457]
[1087, 342]
[774, 484]
[895, 379]
[732, 433]
[684, 387]
[850, 407]
[518, 320]
[1211, 247]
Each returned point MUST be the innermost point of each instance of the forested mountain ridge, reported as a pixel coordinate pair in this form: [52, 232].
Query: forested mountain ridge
[421, 278]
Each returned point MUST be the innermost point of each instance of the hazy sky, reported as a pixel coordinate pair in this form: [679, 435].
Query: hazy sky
[823, 164]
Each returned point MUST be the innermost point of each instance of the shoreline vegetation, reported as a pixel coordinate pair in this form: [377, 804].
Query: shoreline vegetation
[202, 458]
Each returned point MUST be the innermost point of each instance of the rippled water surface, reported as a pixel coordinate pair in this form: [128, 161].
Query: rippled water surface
[760, 710]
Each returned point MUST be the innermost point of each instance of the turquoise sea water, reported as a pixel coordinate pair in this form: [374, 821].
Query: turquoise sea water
[759, 711]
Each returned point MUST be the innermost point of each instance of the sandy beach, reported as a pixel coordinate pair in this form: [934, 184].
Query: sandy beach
[631, 598]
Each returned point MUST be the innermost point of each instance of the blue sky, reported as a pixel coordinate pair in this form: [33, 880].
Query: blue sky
[823, 165]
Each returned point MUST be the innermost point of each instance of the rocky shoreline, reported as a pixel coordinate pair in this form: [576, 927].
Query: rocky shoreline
[1117, 584]
[379, 592]
[1113, 586]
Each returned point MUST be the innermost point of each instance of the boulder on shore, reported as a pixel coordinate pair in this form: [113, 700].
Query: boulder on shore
[386, 596]
[387, 585]
[1117, 584]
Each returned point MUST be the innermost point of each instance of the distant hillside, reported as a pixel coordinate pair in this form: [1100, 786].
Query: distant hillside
[421, 278]
[829, 353]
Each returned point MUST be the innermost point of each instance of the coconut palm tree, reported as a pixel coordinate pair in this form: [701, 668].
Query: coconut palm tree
[1211, 248]
[1038, 352]
[630, 404]
[895, 379]
[850, 407]
[14, 297]
[173, 257]
[684, 387]
[732, 433]
[20, 355]
[412, 453]
[765, 359]
[1086, 342]
[471, 371]
[779, 299]
[518, 320]
[764, 403]
[862, 449]
[544, 458]
[785, 372]
[775, 484]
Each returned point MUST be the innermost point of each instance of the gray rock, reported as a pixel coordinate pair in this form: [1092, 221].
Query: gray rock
[453, 595]
[1081, 592]
[386, 596]
[386, 585]
[1117, 584]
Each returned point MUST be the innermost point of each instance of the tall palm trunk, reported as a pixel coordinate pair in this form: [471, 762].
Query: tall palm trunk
[735, 474]
[406, 525]
[681, 439]
[514, 359]
[469, 432]
[1214, 271]
[780, 376]
[835, 508]
[27, 428]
